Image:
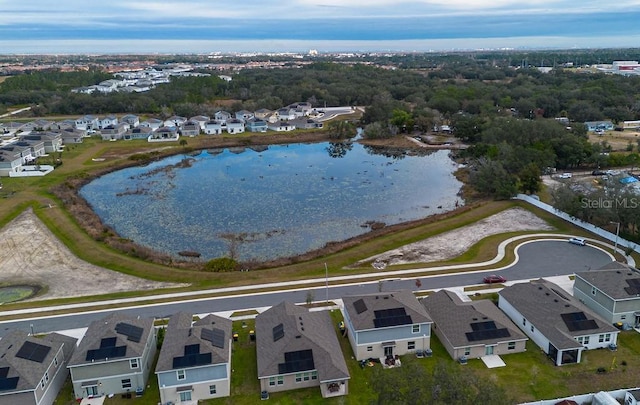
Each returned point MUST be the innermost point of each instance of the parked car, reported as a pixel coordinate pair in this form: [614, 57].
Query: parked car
[565, 176]
[598, 172]
[494, 279]
[577, 241]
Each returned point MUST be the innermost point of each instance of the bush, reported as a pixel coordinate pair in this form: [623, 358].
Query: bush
[222, 264]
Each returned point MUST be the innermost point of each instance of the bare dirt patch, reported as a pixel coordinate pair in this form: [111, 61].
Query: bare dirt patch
[32, 255]
[453, 243]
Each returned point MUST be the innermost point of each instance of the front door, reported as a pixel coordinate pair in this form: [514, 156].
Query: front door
[92, 391]
[488, 351]
[388, 351]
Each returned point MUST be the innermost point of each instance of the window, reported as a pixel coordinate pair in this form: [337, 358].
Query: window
[314, 375]
[306, 376]
[91, 391]
[369, 348]
[579, 339]
[299, 377]
[272, 381]
[181, 374]
[42, 383]
[524, 322]
[126, 383]
[586, 340]
[593, 291]
[55, 361]
[185, 396]
[607, 337]
[212, 390]
[133, 363]
[623, 317]
[511, 346]
[467, 351]
[46, 376]
[411, 345]
[531, 328]
[280, 380]
[415, 328]
[600, 338]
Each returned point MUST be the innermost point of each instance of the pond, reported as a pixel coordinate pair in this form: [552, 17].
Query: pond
[271, 202]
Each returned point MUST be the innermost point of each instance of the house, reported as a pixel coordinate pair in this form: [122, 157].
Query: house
[36, 147]
[152, 123]
[24, 151]
[599, 126]
[244, 115]
[386, 324]
[190, 128]
[33, 370]
[613, 292]
[108, 121]
[52, 141]
[472, 329]
[285, 114]
[281, 126]
[301, 109]
[214, 127]
[72, 135]
[87, 123]
[10, 162]
[201, 120]
[114, 356]
[222, 116]
[164, 134]
[137, 133]
[632, 397]
[10, 129]
[297, 348]
[235, 126]
[256, 125]
[306, 123]
[131, 120]
[262, 113]
[557, 322]
[38, 125]
[174, 121]
[195, 360]
[113, 132]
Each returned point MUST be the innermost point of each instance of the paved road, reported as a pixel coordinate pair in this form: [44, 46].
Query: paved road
[536, 259]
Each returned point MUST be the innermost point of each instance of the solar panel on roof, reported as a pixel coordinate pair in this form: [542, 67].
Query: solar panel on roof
[4, 371]
[577, 321]
[33, 351]
[391, 317]
[133, 333]
[107, 342]
[278, 332]
[191, 349]
[8, 383]
[634, 286]
[214, 335]
[301, 360]
[192, 360]
[360, 306]
[106, 353]
[478, 326]
[487, 334]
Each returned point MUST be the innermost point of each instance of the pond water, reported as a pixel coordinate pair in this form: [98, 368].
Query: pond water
[270, 202]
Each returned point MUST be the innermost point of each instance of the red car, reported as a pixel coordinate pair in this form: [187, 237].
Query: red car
[494, 279]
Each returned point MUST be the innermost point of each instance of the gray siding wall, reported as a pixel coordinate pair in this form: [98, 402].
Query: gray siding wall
[193, 375]
[289, 384]
[594, 304]
[23, 398]
[403, 332]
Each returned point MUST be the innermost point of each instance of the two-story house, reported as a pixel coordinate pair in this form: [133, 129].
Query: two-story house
[235, 126]
[33, 370]
[557, 322]
[386, 324]
[297, 348]
[256, 125]
[472, 329]
[52, 140]
[114, 356]
[214, 127]
[113, 132]
[613, 292]
[195, 359]
[132, 121]
[190, 128]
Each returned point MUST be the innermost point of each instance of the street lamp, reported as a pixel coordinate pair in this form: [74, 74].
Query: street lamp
[615, 245]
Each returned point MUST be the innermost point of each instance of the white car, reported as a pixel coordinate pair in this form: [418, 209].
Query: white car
[565, 176]
[577, 241]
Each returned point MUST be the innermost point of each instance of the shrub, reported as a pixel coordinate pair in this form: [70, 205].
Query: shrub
[221, 264]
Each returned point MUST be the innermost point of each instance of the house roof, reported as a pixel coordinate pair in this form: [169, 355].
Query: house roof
[181, 336]
[617, 280]
[554, 312]
[459, 320]
[24, 359]
[286, 331]
[365, 311]
[113, 337]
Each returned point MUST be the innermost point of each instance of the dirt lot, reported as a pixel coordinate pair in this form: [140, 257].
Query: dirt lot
[617, 140]
[453, 243]
[32, 255]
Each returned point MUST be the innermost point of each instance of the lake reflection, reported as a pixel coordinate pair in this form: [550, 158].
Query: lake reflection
[283, 200]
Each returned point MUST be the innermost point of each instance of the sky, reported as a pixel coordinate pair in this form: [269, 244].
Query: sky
[203, 26]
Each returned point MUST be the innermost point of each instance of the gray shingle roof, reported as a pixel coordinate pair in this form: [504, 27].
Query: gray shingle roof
[381, 301]
[303, 330]
[542, 303]
[106, 328]
[30, 372]
[453, 318]
[181, 332]
[612, 279]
